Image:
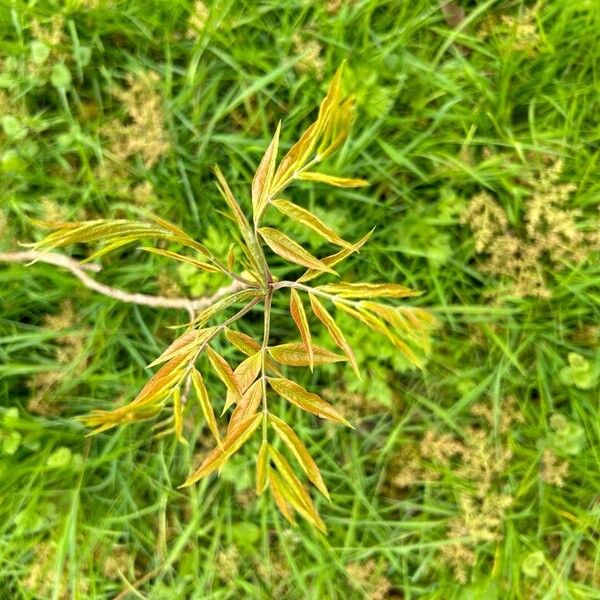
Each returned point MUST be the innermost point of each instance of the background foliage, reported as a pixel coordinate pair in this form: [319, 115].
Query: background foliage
[479, 132]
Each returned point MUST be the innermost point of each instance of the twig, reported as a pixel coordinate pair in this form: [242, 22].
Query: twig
[192, 305]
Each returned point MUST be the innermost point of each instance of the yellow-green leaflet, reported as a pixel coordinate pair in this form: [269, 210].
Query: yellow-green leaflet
[247, 406]
[299, 316]
[224, 303]
[305, 400]
[292, 441]
[263, 179]
[162, 381]
[247, 345]
[331, 180]
[334, 331]
[294, 492]
[296, 157]
[287, 248]
[376, 324]
[277, 487]
[147, 403]
[336, 258]
[332, 114]
[225, 373]
[332, 99]
[306, 218]
[241, 222]
[178, 416]
[184, 259]
[187, 343]
[231, 444]
[205, 404]
[338, 127]
[262, 465]
[181, 236]
[368, 290]
[244, 343]
[245, 374]
[112, 233]
[295, 355]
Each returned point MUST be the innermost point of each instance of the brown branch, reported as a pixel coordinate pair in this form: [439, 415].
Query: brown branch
[192, 305]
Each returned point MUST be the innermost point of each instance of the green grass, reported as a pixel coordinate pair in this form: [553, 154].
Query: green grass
[443, 115]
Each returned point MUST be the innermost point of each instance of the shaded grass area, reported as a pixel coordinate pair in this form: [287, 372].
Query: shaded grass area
[447, 487]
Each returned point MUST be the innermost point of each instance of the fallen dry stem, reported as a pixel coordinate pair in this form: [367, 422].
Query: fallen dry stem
[192, 305]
